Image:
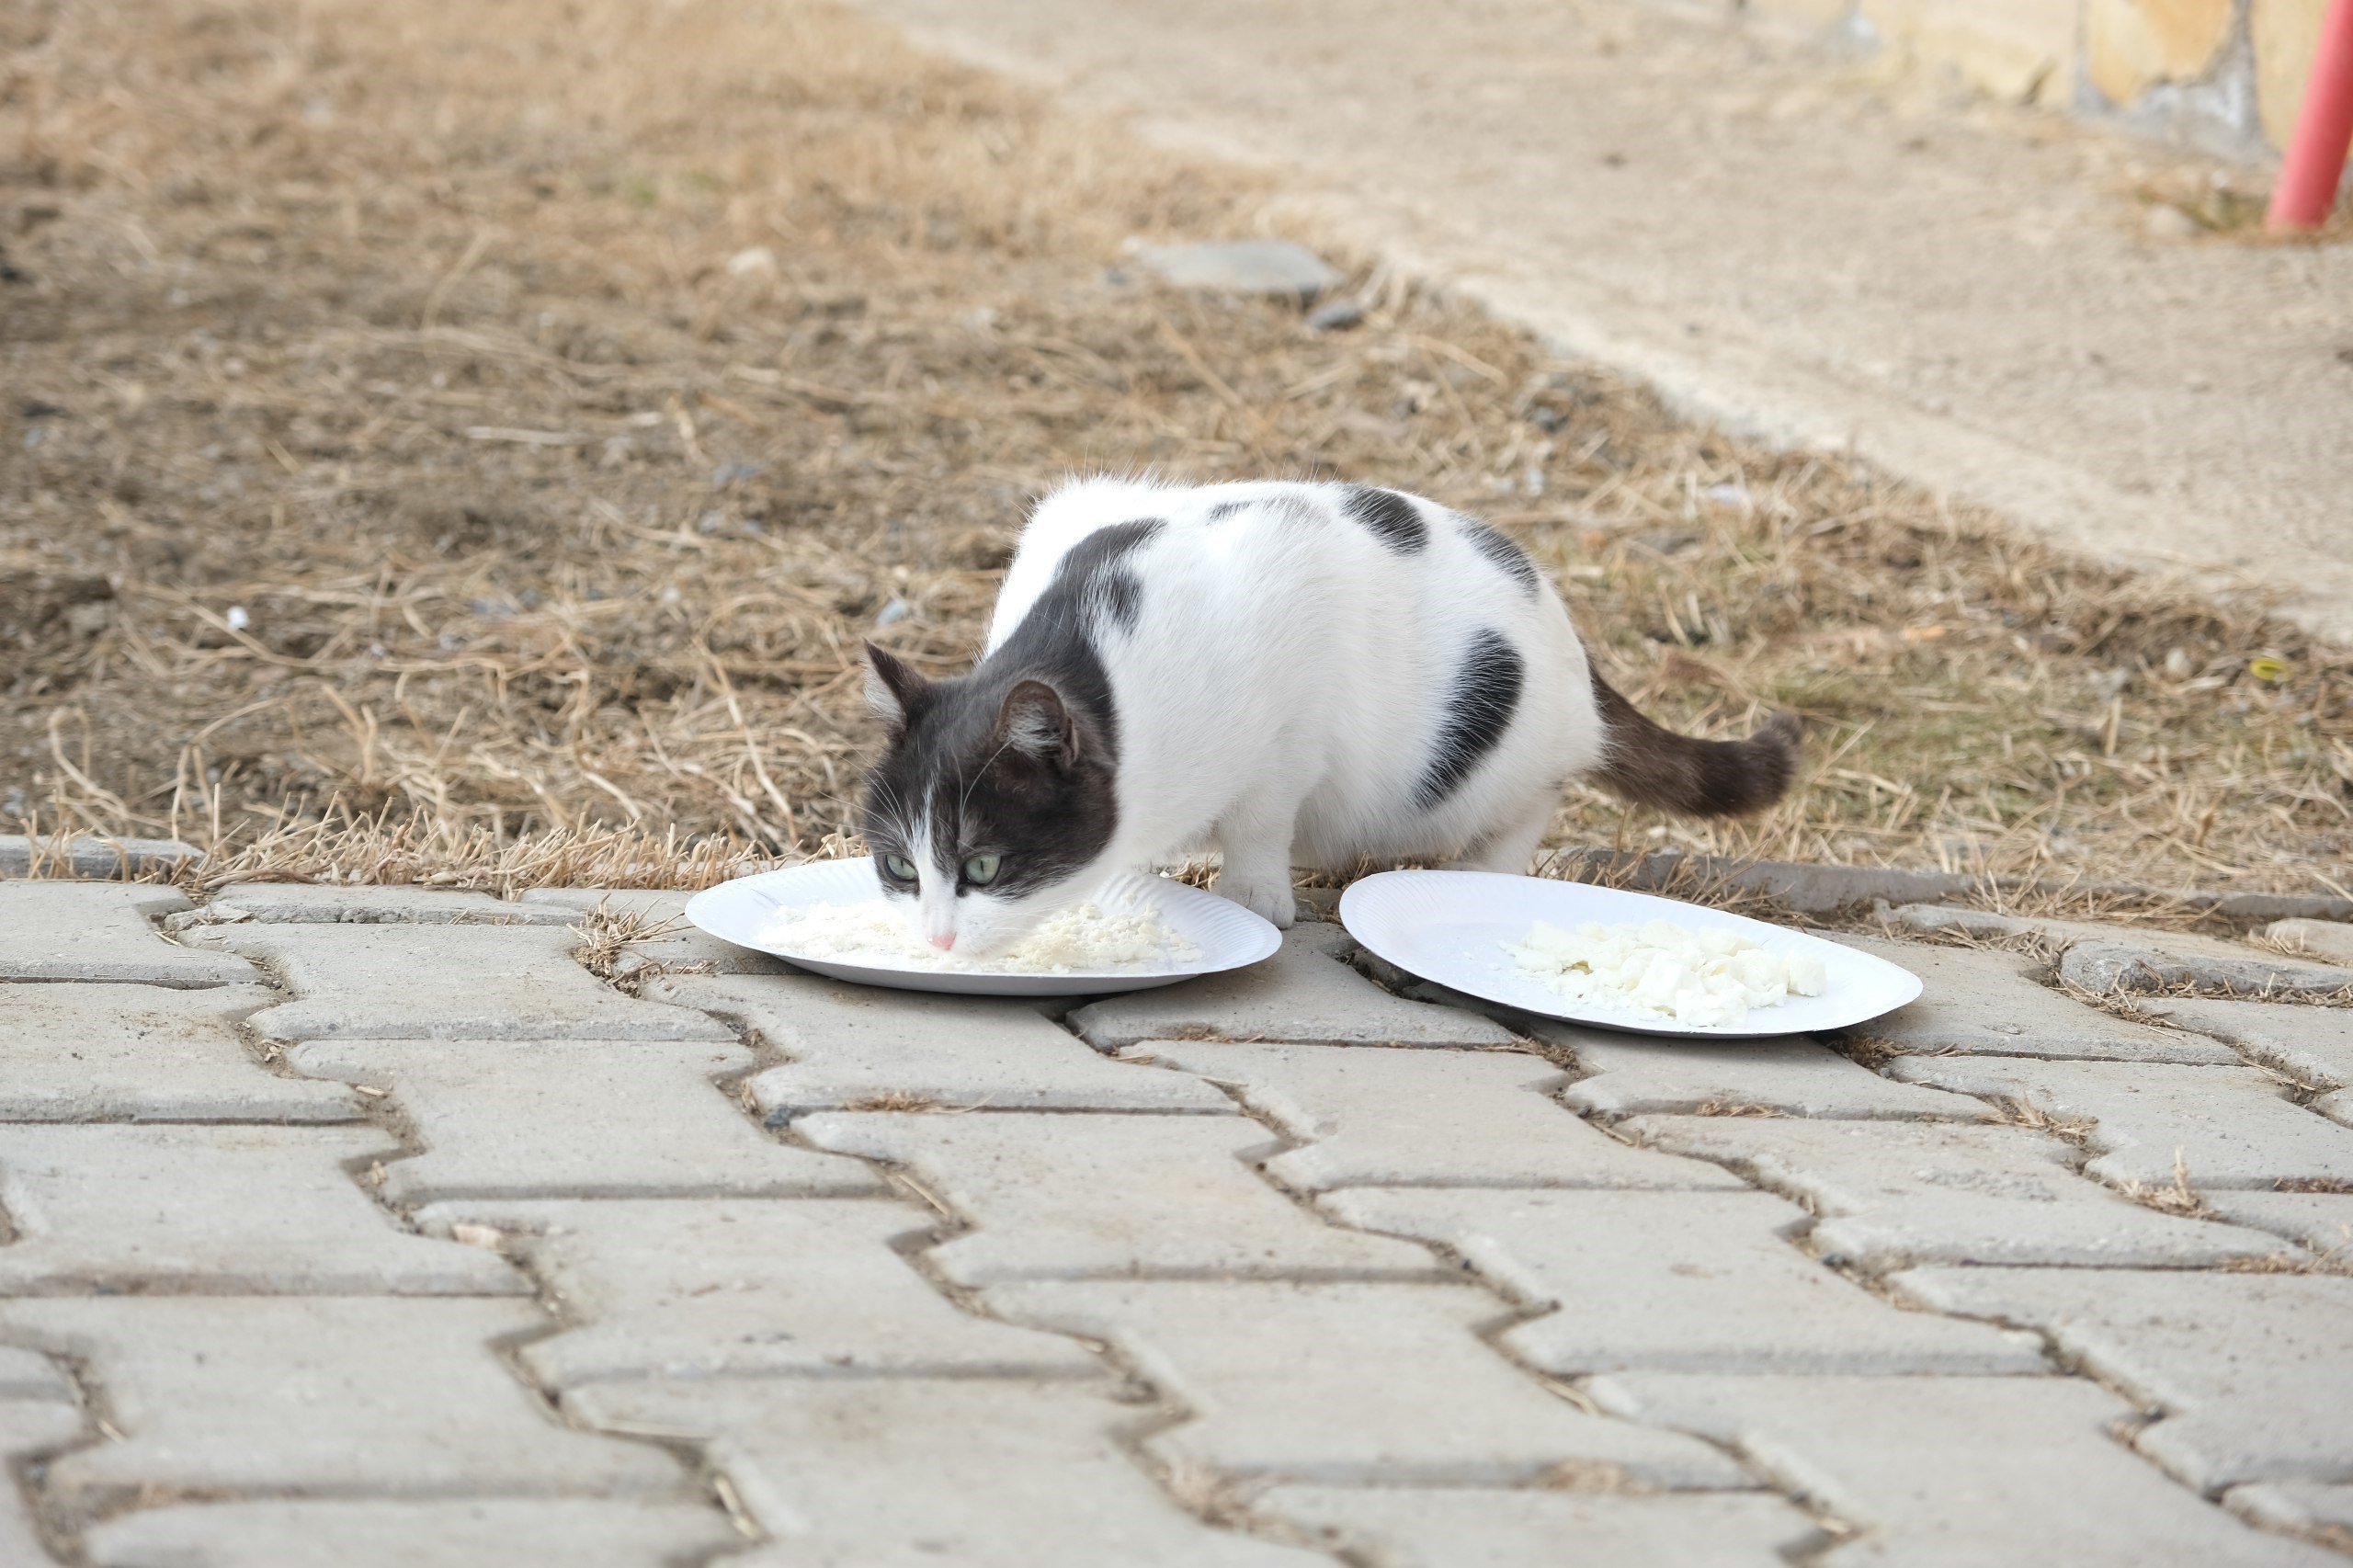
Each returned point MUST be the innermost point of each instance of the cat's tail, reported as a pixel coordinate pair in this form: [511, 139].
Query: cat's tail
[1653, 766]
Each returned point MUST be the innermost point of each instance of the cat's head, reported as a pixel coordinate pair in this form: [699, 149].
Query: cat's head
[992, 807]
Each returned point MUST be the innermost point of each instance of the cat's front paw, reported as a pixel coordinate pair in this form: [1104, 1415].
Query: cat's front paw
[1270, 900]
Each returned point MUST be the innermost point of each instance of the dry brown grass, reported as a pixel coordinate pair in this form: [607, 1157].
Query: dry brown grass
[506, 421]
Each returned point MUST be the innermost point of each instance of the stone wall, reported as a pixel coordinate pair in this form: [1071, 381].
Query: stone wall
[2225, 75]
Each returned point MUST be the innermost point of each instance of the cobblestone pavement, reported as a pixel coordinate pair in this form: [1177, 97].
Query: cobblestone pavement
[368, 1228]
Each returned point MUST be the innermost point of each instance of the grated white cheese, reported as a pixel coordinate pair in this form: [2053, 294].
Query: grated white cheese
[1084, 940]
[1660, 970]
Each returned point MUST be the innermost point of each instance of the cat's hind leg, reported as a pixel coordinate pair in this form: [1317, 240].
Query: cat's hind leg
[1255, 838]
[1510, 846]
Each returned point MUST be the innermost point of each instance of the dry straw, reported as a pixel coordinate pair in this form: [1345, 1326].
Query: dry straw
[509, 421]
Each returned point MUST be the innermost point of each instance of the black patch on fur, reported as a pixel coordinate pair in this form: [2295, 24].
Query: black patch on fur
[1479, 710]
[1392, 519]
[1225, 510]
[1651, 766]
[1046, 818]
[1503, 552]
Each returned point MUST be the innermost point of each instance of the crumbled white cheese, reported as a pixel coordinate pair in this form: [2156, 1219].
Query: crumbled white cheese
[1084, 940]
[1704, 978]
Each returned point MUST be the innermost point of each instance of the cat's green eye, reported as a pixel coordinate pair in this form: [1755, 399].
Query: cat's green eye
[981, 870]
[899, 867]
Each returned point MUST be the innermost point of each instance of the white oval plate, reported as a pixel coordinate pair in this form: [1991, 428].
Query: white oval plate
[1451, 926]
[1227, 935]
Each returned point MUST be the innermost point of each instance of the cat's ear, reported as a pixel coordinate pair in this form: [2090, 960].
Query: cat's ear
[1034, 722]
[892, 690]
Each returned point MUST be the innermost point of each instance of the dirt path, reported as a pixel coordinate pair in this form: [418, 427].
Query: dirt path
[1973, 298]
[506, 423]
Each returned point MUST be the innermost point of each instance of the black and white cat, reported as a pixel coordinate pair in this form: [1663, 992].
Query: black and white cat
[1291, 674]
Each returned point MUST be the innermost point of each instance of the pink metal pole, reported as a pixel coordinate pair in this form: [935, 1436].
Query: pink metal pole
[2307, 188]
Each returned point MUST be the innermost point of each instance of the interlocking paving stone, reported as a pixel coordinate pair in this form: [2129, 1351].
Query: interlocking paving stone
[29, 1375]
[1305, 993]
[275, 903]
[575, 1118]
[2253, 1372]
[675, 942]
[2311, 1045]
[28, 1426]
[2099, 957]
[447, 983]
[216, 1210]
[1080, 1196]
[2303, 1507]
[2331, 941]
[1986, 1002]
[908, 1472]
[2320, 1221]
[1889, 1193]
[1280, 1381]
[1373, 1116]
[113, 1053]
[694, 1288]
[86, 855]
[1793, 1076]
[2227, 1126]
[1960, 1473]
[858, 1047]
[1676, 1281]
[343, 1396]
[1470, 1528]
[101, 931]
[571, 1532]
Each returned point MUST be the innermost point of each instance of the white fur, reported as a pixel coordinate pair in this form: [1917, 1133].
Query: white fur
[1281, 691]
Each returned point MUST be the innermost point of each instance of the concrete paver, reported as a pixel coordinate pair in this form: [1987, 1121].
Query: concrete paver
[672, 941]
[322, 1396]
[2298, 1507]
[905, 1473]
[102, 931]
[1274, 1376]
[2136, 963]
[1085, 1197]
[445, 983]
[2252, 1372]
[1304, 993]
[1676, 1281]
[299, 1379]
[2311, 1045]
[2320, 1221]
[1938, 1471]
[1374, 1116]
[1466, 1527]
[698, 1287]
[571, 1532]
[857, 1048]
[2102, 958]
[575, 1118]
[2226, 1126]
[119, 1053]
[295, 904]
[217, 1211]
[2330, 941]
[1632, 1076]
[29, 1375]
[1895, 1193]
[1985, 1001]
[28, 1428]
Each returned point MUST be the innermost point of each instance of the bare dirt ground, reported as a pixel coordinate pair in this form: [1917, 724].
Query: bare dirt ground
[508, 419]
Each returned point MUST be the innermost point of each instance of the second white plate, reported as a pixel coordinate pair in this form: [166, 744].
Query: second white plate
[1452, 928]
[1227, 935]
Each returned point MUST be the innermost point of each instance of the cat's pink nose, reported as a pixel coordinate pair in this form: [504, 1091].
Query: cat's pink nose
[944, 943]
